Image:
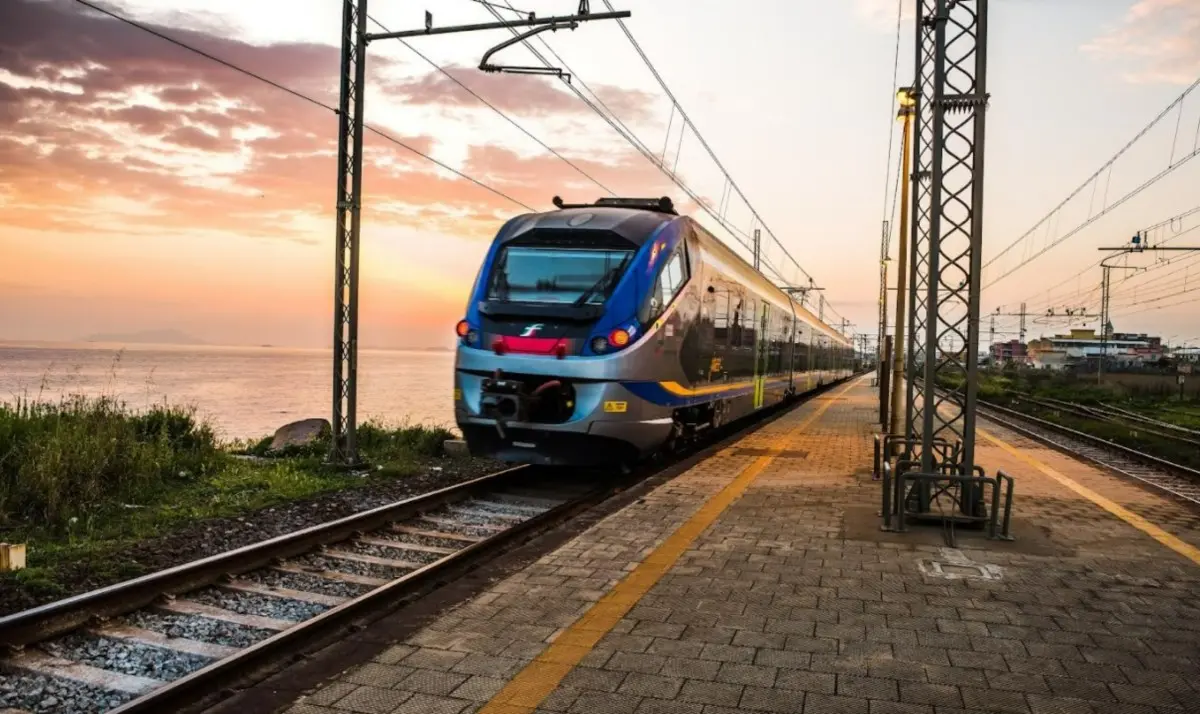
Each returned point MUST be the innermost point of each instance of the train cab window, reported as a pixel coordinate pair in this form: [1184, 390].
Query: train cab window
[543, 274]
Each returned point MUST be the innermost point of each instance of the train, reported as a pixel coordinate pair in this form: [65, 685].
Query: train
[618, 330]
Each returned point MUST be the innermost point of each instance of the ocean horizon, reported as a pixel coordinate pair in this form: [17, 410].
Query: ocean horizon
[243, 391]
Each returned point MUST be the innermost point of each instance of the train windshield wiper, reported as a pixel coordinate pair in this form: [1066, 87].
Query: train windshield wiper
[601, 283]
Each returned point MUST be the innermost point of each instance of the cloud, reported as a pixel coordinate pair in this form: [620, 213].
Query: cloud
[1161, 37]
[93, 112]
[522, 95]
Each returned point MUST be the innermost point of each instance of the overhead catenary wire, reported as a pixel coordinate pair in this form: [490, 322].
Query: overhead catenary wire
[597, 104]
[495, 109]
[301, 96]
[1173, 165]
[892, 134]
[688, 121]
[1146, 234]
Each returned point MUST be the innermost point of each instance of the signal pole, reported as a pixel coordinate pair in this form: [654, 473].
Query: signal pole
[348, 206]
[1136, 246]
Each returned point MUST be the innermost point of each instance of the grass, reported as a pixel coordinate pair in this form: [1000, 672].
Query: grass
[84, 478]
[1004, 387]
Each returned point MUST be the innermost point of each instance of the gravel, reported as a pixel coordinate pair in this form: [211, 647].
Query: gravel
[396, 553]
[454, 524]
[126, 657]
[195, 627]
[305, 582]
[351, 566]
[470, 519]
[261, 605]
[50, 695]
[203, 538]
[425, 540]
[505, 508]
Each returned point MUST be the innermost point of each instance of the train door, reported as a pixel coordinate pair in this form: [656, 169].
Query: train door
[762, 350]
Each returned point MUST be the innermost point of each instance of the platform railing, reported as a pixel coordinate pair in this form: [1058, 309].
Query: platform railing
[909, 493]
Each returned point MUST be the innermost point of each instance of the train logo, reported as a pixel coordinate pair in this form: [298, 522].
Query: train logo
[531, 330]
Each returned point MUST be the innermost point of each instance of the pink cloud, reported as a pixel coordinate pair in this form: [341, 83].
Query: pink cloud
[1161, 37]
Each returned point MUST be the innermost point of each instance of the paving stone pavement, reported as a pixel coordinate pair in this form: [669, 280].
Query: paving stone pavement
[794, 601]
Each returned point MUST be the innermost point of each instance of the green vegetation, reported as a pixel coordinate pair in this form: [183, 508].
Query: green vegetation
[1032, 392]
[87, 478]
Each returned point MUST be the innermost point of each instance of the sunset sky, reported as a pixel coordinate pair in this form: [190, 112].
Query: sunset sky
[145, 187]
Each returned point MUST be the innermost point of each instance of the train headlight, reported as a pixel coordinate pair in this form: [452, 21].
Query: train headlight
[618, 338]
[599, 345]
[463, 328]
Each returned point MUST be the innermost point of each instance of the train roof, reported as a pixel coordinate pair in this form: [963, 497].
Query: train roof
[635, 220]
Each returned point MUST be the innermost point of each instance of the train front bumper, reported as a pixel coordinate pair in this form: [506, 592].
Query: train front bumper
[607, 424]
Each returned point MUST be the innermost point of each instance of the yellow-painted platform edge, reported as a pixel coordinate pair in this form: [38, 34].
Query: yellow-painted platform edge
[526, 691]
[1187, 550]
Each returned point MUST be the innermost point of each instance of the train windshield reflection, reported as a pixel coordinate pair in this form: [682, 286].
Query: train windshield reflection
[557, 275]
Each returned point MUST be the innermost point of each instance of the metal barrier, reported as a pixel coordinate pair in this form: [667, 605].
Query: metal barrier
[896, 497]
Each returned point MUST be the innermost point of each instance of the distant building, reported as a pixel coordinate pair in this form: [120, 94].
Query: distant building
[1006, 352]
[1120, 349]
[1186, 355]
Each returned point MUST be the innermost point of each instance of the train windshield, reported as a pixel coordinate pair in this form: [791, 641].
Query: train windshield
[579, 276]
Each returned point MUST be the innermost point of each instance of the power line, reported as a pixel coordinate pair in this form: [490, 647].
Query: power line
[892, 123]
[688, 121]
[1168, 222]
[495, 109]
[1173, 165]
[299, 95]
[597, 104]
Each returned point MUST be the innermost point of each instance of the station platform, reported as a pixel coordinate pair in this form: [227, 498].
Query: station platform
[760, 581]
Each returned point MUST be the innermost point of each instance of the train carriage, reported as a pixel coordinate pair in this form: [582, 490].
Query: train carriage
[611, 331]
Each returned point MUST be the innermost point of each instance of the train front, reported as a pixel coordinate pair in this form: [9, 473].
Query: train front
[552, 331]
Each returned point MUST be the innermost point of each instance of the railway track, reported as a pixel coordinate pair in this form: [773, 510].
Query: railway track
[1175, 479]
[167, 640]
[161, 641]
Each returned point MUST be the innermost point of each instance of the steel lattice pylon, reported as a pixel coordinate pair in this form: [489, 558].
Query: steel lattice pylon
[349, 202]
[920, 230]
[947, 222]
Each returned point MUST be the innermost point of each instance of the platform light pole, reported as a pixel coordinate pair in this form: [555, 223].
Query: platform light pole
[906, 96]
[348, 206]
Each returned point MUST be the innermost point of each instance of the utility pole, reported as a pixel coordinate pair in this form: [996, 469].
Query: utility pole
[883, 275]
[1022, 333]
[908, 100]
[757, 244]
[348, 206]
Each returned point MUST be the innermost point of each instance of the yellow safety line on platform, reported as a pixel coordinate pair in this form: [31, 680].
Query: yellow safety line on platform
[540, 677]
[1185, 549]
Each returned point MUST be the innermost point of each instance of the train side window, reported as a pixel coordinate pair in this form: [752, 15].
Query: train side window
[721, 317]
[670, 280]
[750, 327]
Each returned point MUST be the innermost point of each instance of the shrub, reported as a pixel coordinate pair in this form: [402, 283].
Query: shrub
[60, 461]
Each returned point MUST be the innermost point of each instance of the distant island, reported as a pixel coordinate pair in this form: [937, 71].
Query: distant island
[157, 337]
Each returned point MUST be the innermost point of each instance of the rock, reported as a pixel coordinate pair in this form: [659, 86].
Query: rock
[300, 433]
[455, 447]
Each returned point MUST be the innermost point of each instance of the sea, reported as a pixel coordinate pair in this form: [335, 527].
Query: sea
[243, 392]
